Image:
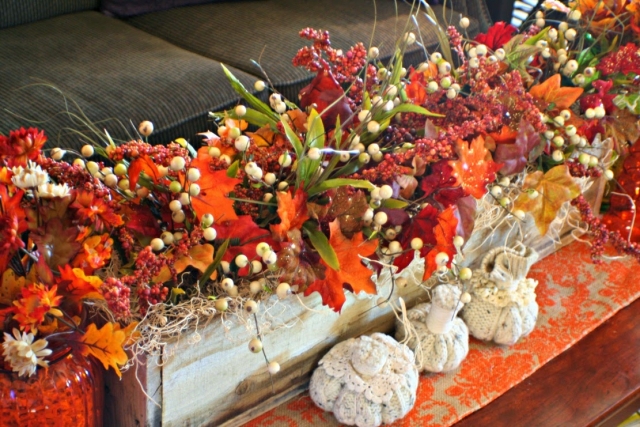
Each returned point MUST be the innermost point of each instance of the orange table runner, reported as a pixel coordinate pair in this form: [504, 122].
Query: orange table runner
[574, 295]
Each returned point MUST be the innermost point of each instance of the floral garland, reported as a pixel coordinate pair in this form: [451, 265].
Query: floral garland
[377, 162]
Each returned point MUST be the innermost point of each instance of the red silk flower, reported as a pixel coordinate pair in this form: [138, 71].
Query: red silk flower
[497, 36]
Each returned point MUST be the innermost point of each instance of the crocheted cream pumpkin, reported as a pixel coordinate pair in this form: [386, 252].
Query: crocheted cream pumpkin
[439, 339]
[366, 381]
[503, 304]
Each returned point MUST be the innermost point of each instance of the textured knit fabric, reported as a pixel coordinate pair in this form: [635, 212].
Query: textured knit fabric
[114, 72]
[17, 12]
[267, 32]
[127, 8]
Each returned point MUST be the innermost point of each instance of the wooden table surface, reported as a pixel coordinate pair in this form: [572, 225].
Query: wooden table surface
[594, 383]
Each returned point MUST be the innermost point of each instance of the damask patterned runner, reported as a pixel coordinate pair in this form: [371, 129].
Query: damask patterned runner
[574, 295]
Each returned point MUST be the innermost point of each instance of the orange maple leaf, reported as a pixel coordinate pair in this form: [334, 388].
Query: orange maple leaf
[105, 344]
[292, 212]
[550, 92]
[474, 168]
[444, 233]
[352, 274]
[214, 188]
[139, 165]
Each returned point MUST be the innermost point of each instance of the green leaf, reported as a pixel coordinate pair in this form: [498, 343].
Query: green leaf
[232, 171]
[340, 182]
[293, 139]
[247, 96]
[321, 244]
[253, 117]
[407, 108]
[217, 260]
[630, 102]
[315, 138]
[531, 41]
[394, 204]
[315, 134]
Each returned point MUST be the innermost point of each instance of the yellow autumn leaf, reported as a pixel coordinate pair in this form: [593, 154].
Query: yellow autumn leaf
[10, 287]
[554, 189]
[131, 335]
[105, 344]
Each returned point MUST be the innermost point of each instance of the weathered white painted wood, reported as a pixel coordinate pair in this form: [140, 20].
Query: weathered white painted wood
[218, 378]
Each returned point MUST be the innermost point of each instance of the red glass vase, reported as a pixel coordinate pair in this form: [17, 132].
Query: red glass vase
[69, 393]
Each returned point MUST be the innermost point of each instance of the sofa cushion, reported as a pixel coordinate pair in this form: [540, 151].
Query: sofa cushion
[267, 31]
[126, 8]
[113, 71]
[17, 12]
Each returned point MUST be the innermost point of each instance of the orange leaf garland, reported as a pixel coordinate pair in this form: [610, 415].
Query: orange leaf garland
[214, 188]
[144, 164]
[292, 212]
[550, 92]
[474, 168]
[105, 344]
[554, 189]
[352, 275]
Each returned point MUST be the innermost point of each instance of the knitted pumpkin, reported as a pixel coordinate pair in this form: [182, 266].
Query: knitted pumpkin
[503, 304]
[439, 339]
[366, 381]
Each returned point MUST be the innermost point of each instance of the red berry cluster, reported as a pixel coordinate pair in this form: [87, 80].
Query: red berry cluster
[601, 235]
[579, 170]
[148, 266]
[161, 154]
[117, 296]
[72, 175]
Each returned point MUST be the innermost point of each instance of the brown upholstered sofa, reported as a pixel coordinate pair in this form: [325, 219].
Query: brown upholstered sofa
[165, 66]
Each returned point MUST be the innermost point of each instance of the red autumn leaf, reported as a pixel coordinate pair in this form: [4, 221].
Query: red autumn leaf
[140, 219]
[444, 232]
[515, 156]
[550, 92]
[214, 189]
[420, 226]
[292, 212]
[142, 164]
[474, 168]
[245, 236]
[56, 242]
[323, 91]
[497, 35]
[352, 275]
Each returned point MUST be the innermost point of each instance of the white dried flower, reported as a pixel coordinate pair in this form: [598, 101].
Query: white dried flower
[23, 354]
[49, 191]
[30, 177]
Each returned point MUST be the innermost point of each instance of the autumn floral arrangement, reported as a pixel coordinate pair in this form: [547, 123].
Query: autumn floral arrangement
[55, 225]
[376, 166]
